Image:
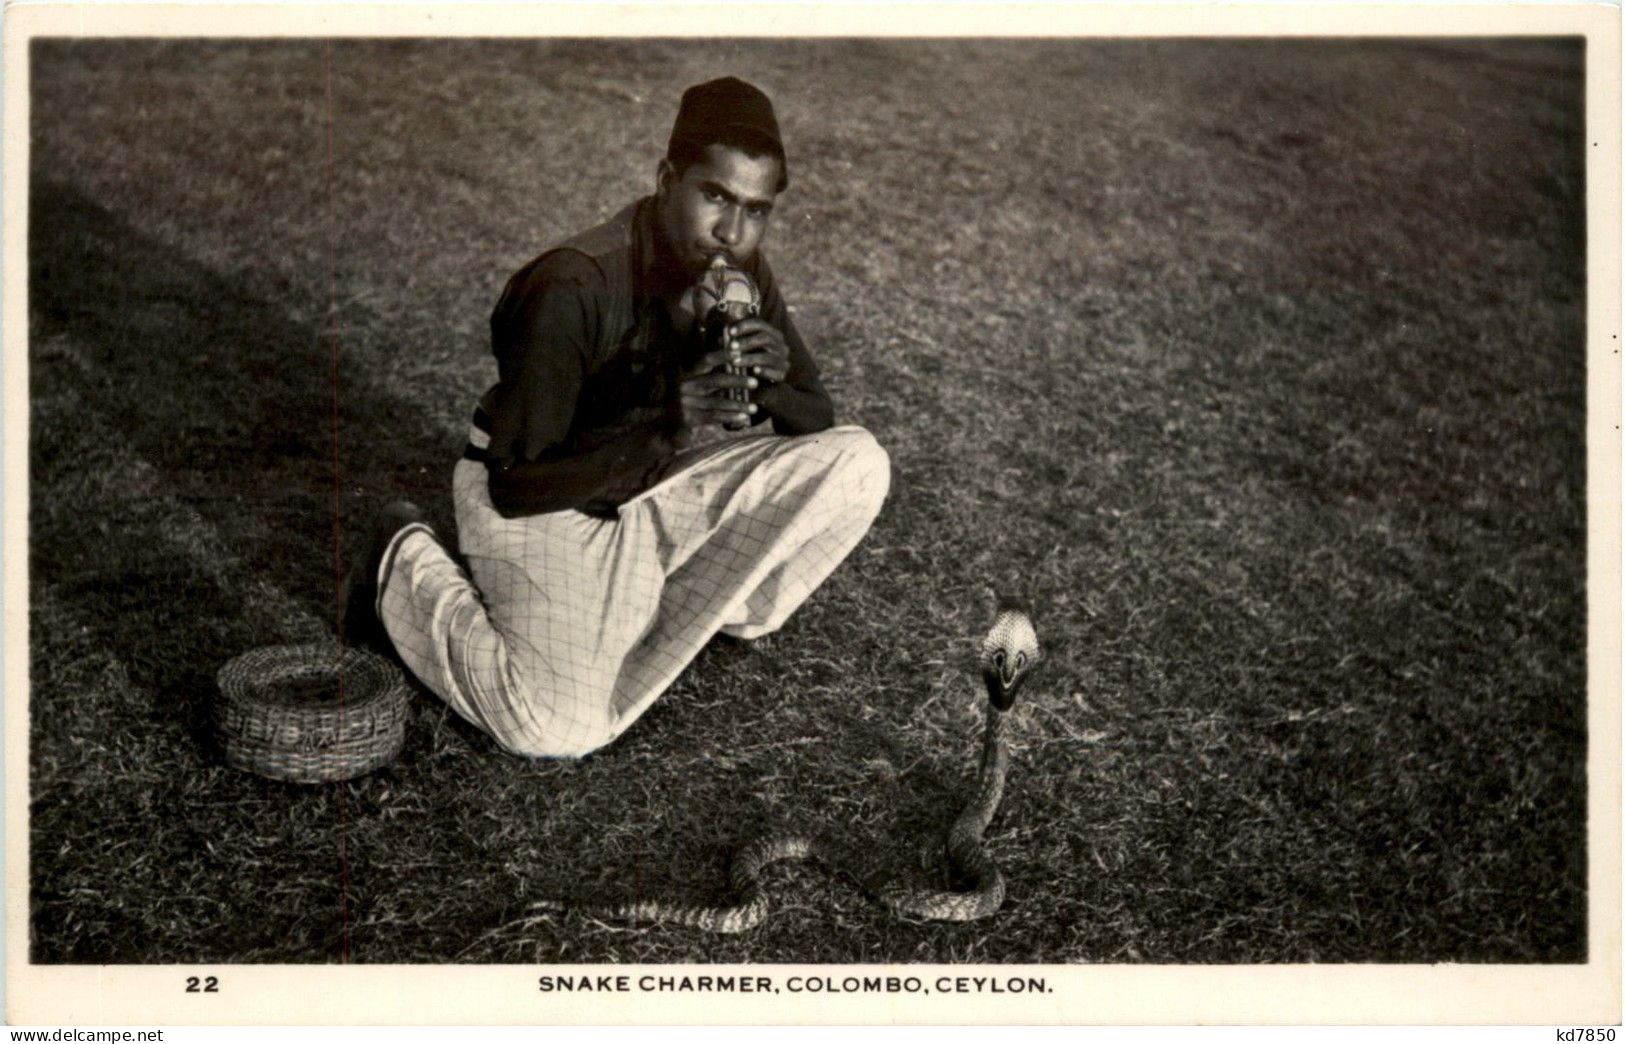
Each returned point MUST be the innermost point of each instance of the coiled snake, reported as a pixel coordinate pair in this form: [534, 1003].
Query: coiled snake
[1009, 653]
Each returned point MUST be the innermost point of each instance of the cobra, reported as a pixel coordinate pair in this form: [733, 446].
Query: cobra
[1009, 653]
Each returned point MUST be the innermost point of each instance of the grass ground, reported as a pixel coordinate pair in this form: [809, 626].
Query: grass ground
[1255, 367]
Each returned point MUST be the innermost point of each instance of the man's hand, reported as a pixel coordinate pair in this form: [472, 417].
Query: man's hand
[703, 394]
[760, 348]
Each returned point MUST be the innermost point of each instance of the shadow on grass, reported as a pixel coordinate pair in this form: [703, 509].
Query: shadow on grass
[230, 402]
[225, 394]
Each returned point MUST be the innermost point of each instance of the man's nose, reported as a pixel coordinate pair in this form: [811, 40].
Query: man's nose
[730, 227]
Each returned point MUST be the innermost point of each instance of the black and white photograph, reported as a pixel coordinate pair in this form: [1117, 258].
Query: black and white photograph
[863, 518]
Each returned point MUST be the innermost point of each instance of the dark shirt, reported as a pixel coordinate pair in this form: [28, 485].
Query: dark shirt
[590, 344]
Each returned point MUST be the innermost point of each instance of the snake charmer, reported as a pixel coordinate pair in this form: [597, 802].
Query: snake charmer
[619, 503]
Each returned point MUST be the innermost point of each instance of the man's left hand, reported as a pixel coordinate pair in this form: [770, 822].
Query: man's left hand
[760, 348]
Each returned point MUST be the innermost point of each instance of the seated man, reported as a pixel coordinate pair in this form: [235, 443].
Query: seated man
[609, 528]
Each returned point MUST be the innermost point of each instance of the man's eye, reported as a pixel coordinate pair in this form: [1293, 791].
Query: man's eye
[712, 195]
[759, 213]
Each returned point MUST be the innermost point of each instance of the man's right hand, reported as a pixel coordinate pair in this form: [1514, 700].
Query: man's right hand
[704, 394]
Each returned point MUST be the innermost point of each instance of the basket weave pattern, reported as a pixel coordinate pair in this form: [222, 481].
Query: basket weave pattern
[310, 713]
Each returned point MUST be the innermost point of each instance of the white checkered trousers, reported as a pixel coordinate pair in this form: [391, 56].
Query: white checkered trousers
[572, 625]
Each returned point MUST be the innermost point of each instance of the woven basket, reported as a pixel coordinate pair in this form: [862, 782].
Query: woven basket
[310, 713]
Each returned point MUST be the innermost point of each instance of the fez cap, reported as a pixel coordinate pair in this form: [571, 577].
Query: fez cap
[729, 107]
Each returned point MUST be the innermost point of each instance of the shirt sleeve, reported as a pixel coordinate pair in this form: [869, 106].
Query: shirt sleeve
[541, 333]
[812, 403]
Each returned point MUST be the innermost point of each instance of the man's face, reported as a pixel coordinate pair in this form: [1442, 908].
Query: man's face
[719, 205]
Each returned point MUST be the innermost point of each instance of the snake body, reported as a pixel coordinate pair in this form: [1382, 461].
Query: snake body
[1008, 653]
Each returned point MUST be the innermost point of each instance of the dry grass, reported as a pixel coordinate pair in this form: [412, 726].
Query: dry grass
[1255, 367]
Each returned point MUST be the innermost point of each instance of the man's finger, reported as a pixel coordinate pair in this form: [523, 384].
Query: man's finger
[764, 344]
[726, 418]
[698, 397]
[708, 362]
[767, 364]
[716, 411]
[759, 331]
[762, 354]
[715, 382]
